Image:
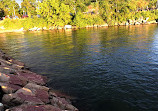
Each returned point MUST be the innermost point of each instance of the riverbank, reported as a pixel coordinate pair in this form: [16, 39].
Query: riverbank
[24, 90]
[130, 23]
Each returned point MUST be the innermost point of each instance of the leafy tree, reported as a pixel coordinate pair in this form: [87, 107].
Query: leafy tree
[54, 12]
[8, 7]
[29, 6]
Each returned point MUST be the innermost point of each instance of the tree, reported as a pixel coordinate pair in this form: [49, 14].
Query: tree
[55, 12]
[29, 6]
[8, 7]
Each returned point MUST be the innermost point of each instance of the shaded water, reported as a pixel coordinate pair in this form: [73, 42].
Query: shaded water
[106, 69]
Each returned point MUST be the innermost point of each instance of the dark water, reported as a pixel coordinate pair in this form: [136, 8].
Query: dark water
[106, 69]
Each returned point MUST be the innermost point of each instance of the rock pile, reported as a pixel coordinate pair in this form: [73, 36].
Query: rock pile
[23, 90]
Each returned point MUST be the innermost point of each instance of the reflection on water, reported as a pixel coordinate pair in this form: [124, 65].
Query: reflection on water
[112, 69]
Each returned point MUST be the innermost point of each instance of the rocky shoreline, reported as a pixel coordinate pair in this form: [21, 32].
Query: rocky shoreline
[23, 90]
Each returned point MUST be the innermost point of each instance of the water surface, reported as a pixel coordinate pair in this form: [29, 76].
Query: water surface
[106, 69]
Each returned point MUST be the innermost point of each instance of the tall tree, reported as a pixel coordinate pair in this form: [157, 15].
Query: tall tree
[54, 12]
[29, 6]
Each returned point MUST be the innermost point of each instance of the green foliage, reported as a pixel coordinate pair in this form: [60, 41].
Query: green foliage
[8, 7]
[56, 13]
[76, 12]
[29, 6]
[27, 23]
[82, 20]
[12, 24]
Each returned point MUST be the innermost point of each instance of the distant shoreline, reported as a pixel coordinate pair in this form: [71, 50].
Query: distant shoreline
[73, 27]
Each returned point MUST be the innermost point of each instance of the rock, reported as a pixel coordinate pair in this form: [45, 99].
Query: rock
[136, 23]
[4, 77]
[12, 79]
[1, 107]
[9, 88]
[42, 95]
[25, 91]
[20, 98]
[16, 62]
[62, 104]
[51, 108]
[126, 23]
[7, 70]
[17, 80]
[67, 27]
[7, 99]
[4, 63]
[144, 21]
[26, 107]
[35, 86]
[105, 25]
[71, 107]
[152, 22]
[32, 77]
[28, 99]
[22, 90]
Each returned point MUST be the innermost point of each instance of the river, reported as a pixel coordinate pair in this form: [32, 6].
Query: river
[105, 69]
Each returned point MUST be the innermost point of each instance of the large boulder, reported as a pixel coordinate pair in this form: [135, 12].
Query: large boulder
[62, 103]
[32, 77]
[9, 88]
[4, 77]
[17, 80]
[35, 86]
[38, 93]
[21, 98]
[12, 79]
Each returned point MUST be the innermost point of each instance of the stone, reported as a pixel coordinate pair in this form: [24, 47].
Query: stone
[153, 22]
[4, 77]
[51, 108]
[42, 95]
[3, 62]
[67, 27]
[6, 99]
[71, 107]
[17, 80]
[7, 70]
[25, 91]
[35, 86]
[105, 25]
[32, 77]
[29, 99]
[16, 62]
[25, 107]
[9, 88]
[63, 104]
[136, 23]
[1, 107]
[126, 23]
